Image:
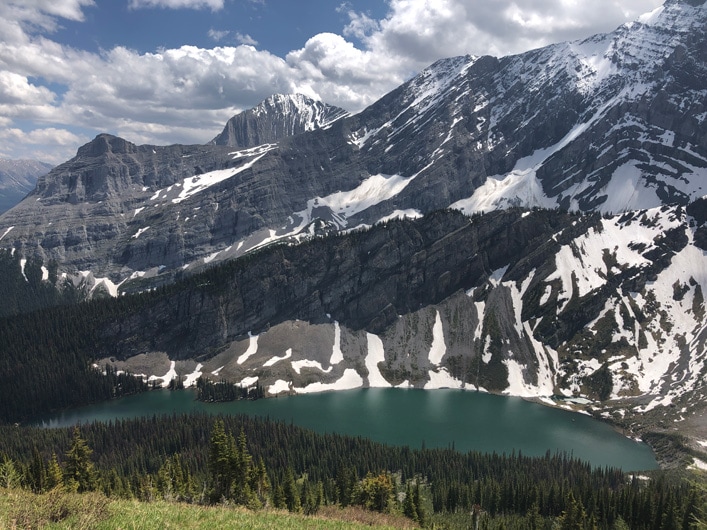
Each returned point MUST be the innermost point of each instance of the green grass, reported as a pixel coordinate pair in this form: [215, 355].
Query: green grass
[58, 510]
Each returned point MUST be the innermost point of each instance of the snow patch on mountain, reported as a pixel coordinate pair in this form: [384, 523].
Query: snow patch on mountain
[376, 355]
[348, 381]
[344, 204]
[251, 350]
[306, 363]
[438, 348]
[442, 379]
[278, 387]
[198, 183]
[627, 189]
[337, 355]
[275, 359]
[166, 378]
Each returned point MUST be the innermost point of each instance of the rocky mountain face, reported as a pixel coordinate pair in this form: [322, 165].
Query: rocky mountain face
[606, 307]
[17, 179]
[275, 118]
[612, 123]
[602, 313]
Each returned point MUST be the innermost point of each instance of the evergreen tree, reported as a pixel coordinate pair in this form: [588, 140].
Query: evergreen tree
[291, 492]
[409, 509]
[9, 475]
[417, 500]
[54, 473]
[79, 471]
[279, 500]
[574, 516]
[220, 455]
[37, 472]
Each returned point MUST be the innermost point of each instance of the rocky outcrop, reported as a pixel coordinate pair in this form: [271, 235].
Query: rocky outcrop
[277, 117]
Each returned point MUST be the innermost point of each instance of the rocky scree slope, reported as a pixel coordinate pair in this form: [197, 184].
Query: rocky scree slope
[613, 123]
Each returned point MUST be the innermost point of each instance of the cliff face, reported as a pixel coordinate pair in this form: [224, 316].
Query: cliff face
[608, 310]
[277, 117]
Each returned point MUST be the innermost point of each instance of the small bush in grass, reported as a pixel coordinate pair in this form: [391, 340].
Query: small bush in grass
[81, 510]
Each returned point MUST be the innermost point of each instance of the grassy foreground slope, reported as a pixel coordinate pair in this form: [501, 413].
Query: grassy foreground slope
[59, 510]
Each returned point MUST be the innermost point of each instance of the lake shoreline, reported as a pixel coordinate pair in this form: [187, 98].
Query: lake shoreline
[445, 418]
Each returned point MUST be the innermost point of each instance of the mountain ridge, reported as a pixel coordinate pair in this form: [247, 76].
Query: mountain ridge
[587, 125]
[277, 117]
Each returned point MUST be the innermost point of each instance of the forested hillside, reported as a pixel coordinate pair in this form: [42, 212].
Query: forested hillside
[201, 459]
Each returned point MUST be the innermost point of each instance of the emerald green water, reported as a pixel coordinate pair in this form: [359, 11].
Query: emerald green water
[438, 418]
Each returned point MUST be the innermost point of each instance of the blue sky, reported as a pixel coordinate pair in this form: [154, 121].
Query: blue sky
[276, 25]
[174, 71]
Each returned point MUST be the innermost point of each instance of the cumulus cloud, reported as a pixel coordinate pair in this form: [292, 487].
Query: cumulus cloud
[422, 31]
[19, 144]
[16, 89]
[186, 94]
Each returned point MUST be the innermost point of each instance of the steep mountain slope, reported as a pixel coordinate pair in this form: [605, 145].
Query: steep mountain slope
[613, 123]
[17, 179]
[277, 117]
[602, 313]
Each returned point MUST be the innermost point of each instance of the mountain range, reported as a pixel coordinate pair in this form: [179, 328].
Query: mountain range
[17, 179]
[577, 275]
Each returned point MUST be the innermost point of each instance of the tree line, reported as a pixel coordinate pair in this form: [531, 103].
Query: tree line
[254, 462]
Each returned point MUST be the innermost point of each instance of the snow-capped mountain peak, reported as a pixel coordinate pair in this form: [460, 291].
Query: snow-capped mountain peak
[278, 116]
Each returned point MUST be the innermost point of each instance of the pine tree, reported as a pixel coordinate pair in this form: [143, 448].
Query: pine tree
[292, 496]
[220, 458]
[54, 473]
[574, 516]
[9, 475]
[278, 499]
[409, 509]
[79, 472]
[37, 472]
[417, 499]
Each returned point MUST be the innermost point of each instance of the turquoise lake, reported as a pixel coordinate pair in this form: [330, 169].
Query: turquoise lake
[431, 418]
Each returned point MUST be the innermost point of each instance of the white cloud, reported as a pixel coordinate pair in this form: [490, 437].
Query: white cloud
[40, 136]
[421, 31]
[20, 16]
[214, 5]
[49, 144]
[360, 25]
[341, 74]
[218, 35]
[246, 39]
[16, 89]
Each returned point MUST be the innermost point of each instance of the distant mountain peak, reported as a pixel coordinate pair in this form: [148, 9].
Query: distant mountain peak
[106, 143]
[17, 179]
[278, 116]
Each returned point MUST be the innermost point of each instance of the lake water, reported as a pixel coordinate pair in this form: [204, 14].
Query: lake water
[438, 418]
